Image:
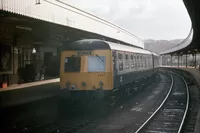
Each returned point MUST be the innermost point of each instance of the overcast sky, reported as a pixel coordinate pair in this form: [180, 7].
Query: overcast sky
[149, 19]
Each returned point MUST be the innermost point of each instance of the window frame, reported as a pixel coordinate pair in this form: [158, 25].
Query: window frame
[90, 71]
[75, 70]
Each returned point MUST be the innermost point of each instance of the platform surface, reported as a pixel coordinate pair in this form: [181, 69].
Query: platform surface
[29, 92]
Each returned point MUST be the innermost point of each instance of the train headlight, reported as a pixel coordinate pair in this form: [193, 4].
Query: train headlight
[84, 83]
[73, 87]
[101, 84]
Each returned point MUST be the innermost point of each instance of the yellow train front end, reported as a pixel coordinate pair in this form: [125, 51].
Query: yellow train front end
[86, 72]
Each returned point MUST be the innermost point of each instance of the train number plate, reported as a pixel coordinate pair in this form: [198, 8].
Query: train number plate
[84, 52]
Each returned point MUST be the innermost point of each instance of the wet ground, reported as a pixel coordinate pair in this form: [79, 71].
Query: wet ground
[128, 117]
[170, 116]
[51, 115]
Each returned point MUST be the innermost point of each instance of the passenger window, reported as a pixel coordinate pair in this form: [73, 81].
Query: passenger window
[131, 57]
[121, 67]
[135, 60]
[126, 56]
[138, 61]
[114, 60]
[149, 60]
[120, 56]
[145, 62]
[141, 61]
[96, 63]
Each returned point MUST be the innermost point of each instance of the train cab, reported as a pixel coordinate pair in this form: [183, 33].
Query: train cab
[86, 66]
[94, 66]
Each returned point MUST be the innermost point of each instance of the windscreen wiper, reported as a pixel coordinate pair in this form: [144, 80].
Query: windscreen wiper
[101, 59]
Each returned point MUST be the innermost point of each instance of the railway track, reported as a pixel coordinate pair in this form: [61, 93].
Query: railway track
[170, 115]
[63, 123]
[49, 117]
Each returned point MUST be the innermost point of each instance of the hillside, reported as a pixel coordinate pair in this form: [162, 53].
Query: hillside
[158, 46]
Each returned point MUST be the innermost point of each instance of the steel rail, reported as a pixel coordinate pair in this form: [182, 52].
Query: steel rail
[144, 124]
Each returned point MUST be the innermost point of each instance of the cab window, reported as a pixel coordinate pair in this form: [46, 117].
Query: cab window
[72, 64]
[96, 63]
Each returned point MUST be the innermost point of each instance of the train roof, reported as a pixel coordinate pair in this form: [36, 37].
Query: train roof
[120, 47]
[94, 44]
[155, 54]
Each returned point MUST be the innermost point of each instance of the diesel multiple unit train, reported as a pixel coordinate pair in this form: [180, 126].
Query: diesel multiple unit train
[95, 66]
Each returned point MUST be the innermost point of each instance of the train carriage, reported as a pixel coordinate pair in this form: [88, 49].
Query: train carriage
[96, 67]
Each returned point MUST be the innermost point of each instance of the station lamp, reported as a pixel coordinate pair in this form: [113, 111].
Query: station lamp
[34, 51]
[37, 2]
[24, 28]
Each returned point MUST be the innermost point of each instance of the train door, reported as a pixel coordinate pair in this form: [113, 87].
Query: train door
[114, 61]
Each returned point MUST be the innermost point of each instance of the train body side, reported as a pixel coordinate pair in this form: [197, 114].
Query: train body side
[130, 66]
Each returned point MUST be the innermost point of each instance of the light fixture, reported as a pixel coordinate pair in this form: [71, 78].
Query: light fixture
[24, 28]
[73, 87]
[37, 2]
[34, 51]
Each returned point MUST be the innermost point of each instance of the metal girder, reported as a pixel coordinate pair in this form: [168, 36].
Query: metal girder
[61, 13]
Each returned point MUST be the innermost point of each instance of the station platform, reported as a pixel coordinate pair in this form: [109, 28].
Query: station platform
[195, 72]
[28, 92]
